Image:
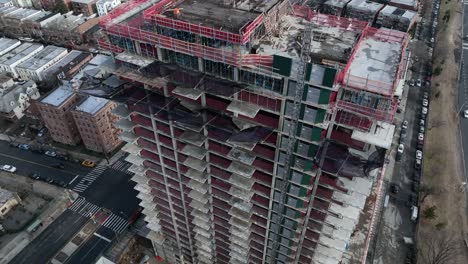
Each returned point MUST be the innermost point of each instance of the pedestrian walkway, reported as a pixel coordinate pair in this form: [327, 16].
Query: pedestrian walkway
[84, 208]
[116, 223]
[87, 180]
[122, 165]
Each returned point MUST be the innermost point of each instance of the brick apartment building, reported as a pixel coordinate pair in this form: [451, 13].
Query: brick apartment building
[85, 7]
[247, 145]
[55, 113]
[95, 121]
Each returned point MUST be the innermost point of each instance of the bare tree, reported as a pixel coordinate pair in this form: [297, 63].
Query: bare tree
[426, 190]
[438, 248]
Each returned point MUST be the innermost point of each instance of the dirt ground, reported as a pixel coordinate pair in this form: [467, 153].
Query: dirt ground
[443, 165]
[136, 250]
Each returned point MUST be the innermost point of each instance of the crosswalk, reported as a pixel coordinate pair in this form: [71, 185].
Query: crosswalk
[88, 209]
[465, 45]
[89, 179]
[465, 2]
[121, 165]
[84, 208]
[116, 223]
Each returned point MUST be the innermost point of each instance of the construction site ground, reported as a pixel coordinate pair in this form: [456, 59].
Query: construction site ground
[137, 248]
[443, 162]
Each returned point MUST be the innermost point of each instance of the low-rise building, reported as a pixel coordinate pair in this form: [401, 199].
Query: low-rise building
[33, 68]
[71, 30]
[15, 98]
[66, 67]
[4, 3]
[7, 45]
[55, 113]
[10, 60]
[23, 3]
[95, 122]
[85, 7]
[105, 6]
[8, 200]
[363, 10]
[396, 18]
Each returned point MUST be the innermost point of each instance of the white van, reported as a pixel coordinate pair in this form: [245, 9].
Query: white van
[414, 213]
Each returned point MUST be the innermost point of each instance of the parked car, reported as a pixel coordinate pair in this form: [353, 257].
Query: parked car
[418, 83]
[419, 154]
[88, 163]
[424, 111]
[13, 144]
[417, 164]
[402, 135]
[421, 129]
[24, 146]
[422, 122]
[51, 153]
[411, 83]
[425, 102]
[414, 186]
[37, 150]
[34, 175]
[394, 188]
[62, 157]
[412, 200]
[58, 165]
[404, 125]
[401, 148]
[42, 131]
[8, 168]
[421, 137]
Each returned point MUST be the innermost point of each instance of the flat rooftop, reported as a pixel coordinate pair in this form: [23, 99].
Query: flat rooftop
[5, 196]
[43, 15]
[83, 1]
[409, 3]
[337, 3]
[375, 64]
[364, 5]
[22, 13]
[19, 53]
[7, 44]
[92, 105]
[43, 57]
[58, 96]
[99, 59]
[67, 62]
[213, 14]
[330, 43]
[66, 22]
[393, 11]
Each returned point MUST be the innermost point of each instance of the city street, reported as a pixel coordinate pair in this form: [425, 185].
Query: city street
[395, 222]
[110, 190]
[28, 162]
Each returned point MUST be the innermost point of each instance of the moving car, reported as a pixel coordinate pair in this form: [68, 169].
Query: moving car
[88, 163]
[24, 146]
[8, 168]
[51, 153]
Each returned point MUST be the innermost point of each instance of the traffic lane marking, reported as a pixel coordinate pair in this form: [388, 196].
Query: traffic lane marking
[42, 165]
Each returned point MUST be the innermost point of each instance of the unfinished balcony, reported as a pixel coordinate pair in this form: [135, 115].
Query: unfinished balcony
[244, 108]
[139, 179]
[196, 205]
[192, 94]
[241, 214]
[336, 233]
[145, 197]
[193, 151]
[202, 198]
[241, 155]
[197, 175]
[131, 148]
[241, 169]
[240, 193]
[240, 223]
[193, 138]
[241, 182]
[201, 223]
[125, 124]
[195, 164]
[143, 188]
[138, 170]
[197, 186]
[153, 226]
[129, 137]
[122, 111]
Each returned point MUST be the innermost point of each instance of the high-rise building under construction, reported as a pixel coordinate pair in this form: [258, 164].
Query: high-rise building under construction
[260, 129]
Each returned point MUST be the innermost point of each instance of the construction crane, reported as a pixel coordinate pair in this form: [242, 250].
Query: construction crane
[283, 185]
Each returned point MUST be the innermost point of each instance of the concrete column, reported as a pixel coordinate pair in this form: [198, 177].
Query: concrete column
[200, 65]
[159, 51]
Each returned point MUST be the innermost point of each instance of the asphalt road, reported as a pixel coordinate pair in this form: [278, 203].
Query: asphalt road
[52, 239]
[28, 162]
[113, 191]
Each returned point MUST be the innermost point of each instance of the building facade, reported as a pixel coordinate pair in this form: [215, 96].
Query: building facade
[248, 150]
[95, 121]
[55, 113]
[105, 6]
[16, 98]
[85, 7]
[10, 60]
[8, 200]
[65, 68]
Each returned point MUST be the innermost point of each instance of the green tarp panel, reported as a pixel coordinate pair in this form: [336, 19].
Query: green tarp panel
[320, 116]
[308, 71]
[324, 97]
[305, 180]
[282, 65]
[303, 191]
[316, 134]
[329, 77]
[312, 151]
